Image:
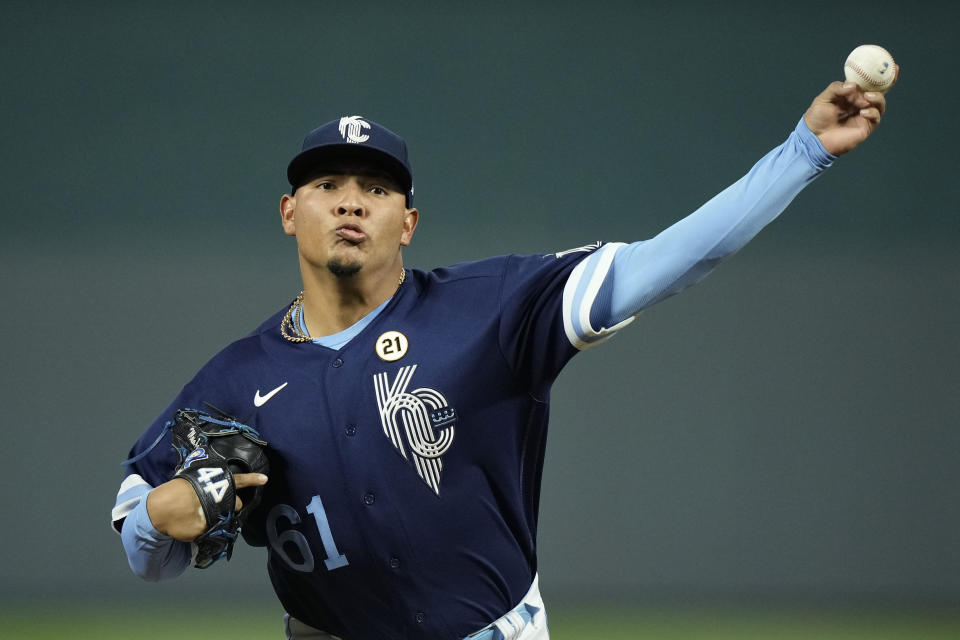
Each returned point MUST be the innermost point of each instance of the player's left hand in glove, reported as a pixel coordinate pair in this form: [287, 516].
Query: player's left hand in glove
[215, 454]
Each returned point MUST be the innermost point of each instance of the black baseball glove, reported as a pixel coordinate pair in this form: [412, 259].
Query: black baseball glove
[211, 450]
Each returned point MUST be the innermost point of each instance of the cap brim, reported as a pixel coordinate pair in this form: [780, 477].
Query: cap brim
[303, 164]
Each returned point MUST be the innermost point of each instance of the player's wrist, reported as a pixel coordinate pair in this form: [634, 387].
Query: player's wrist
[174, 510]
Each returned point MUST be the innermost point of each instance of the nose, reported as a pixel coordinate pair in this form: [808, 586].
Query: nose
[351, 204]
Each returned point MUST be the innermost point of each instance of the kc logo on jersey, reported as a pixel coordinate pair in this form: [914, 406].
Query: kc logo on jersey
[419, 423]
[351, 128]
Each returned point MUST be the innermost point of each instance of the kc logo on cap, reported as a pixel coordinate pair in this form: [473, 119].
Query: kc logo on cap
[351, 128]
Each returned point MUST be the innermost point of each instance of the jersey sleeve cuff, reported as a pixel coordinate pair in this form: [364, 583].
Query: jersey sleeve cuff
[131, 493]
[814, 150]
[580, 294]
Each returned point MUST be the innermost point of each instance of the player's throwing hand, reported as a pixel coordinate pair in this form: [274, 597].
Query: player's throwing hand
[845, 115]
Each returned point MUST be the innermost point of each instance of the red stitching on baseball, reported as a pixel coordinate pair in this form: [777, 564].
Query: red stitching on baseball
[863, 74]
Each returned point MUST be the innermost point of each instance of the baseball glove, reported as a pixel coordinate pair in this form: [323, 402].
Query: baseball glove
[211, 450]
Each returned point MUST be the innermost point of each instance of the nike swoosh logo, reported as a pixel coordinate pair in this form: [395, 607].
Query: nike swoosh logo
[259, 400]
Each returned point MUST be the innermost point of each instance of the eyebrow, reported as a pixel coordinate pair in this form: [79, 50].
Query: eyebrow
[358, 170]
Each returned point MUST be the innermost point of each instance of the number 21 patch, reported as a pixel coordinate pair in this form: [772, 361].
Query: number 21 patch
[392, 345]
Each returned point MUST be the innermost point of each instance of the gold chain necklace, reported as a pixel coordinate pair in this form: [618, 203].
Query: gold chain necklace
[292, 332]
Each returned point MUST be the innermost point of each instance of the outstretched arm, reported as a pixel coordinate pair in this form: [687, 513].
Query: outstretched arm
[629, 278]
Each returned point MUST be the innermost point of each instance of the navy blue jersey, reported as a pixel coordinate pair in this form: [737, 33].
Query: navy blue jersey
[405, 466]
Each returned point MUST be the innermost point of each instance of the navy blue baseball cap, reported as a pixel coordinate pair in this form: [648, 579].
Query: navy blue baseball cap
[353, 136]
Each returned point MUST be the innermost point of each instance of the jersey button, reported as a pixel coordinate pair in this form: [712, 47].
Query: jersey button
[369, 499]
[394, 563]
[350, 430]
[420, 617]
[337, 363]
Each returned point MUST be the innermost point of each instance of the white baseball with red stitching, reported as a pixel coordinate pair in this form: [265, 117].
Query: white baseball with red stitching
[871, 67]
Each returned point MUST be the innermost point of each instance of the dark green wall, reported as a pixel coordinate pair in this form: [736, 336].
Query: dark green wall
[787, 429]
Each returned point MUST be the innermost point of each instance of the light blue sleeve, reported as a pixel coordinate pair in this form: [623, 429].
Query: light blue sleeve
[643, 273]
[152, 555]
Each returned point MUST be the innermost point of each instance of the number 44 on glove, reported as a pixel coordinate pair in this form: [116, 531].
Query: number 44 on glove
[212, 450]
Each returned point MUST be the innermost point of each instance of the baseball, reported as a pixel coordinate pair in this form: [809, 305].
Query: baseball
[871, 67]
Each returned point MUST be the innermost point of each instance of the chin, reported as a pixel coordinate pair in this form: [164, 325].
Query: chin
[344, 269]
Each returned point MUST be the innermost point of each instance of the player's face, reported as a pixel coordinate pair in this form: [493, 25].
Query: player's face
[349, 219]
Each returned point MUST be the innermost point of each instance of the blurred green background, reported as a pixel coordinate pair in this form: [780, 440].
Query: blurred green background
[771, 454]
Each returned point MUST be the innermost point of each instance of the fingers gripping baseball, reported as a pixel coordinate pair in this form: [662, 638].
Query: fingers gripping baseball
[846, 113]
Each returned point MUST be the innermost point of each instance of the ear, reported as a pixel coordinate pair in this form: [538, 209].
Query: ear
[288, 204]
[410, 219]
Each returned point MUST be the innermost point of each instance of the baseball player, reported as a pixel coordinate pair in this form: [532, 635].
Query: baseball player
[405, 411]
